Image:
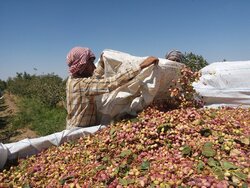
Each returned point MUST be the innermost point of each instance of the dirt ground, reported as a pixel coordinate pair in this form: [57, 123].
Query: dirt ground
[8, 108]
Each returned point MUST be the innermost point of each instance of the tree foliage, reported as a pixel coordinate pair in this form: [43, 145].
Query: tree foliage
[48, 88]
[195, 62]
[3, 85]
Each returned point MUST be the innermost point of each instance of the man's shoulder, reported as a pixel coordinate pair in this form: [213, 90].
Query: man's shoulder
[72, 81]
[76, 79]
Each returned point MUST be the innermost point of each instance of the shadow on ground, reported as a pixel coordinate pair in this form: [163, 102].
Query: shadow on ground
[5, 127]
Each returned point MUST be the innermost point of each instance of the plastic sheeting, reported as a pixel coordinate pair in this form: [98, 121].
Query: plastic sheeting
[225, 84]
[152, 83]
[33, 146]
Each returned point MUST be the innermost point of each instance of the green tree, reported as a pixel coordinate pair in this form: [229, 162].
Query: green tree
[195, 62]
[19, 84]
[48, 89]
[3, 85]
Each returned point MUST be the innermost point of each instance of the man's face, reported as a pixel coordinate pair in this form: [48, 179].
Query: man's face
[88, 71]
[91, 68]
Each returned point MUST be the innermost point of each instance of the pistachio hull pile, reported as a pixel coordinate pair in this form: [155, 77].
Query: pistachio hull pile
[179, 148]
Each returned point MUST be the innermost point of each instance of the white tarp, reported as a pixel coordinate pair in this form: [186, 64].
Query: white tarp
[29, 147]
[225, 84]
[152, 83]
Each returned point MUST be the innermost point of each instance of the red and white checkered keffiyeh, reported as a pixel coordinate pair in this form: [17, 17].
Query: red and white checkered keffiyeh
[78, 59]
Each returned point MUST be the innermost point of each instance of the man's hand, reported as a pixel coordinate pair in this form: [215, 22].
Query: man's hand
[149, 61]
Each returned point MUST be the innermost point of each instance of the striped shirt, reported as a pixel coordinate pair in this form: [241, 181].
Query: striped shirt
[81, 94]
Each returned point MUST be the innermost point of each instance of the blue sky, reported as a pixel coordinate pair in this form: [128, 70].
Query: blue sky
[39, 34]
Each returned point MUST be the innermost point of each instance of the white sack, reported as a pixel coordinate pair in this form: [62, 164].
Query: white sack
[33, 146]
[151, 84]
[225, 84]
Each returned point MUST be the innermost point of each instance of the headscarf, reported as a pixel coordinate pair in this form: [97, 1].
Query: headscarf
[78, 59]
[175, 55]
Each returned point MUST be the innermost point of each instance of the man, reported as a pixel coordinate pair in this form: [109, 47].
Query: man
[85, 82]
[175, 55]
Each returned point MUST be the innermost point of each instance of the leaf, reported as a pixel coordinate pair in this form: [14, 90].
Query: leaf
[228, 166]
[152, 185]
[130, 181]
[63, 180]
[125, 153]
[112, 132]
[205, 132]
[213, 163]
[207, 150]
[122, 144]
[130, 159]
[198, 122]
[126, 182]
[103, 149]
[123, 182]
[163, 128]
[134, 120]
[26, 186]
[134, 156]
[106, 158]
[244, 185]
[213, 114]
[218, 172]
[116, 171]
[117, 159]
[123, 164]
[200, 166]
[99, 168]
[145, 165]
[208, 144]
[221, 139]
[240, 175]
[186, 150]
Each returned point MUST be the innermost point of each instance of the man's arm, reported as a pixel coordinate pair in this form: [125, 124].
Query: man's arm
[98, 72]
[95, 86]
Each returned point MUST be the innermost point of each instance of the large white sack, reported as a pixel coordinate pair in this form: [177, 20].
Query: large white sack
[151, 84]
[225, 84]
[3, 155]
